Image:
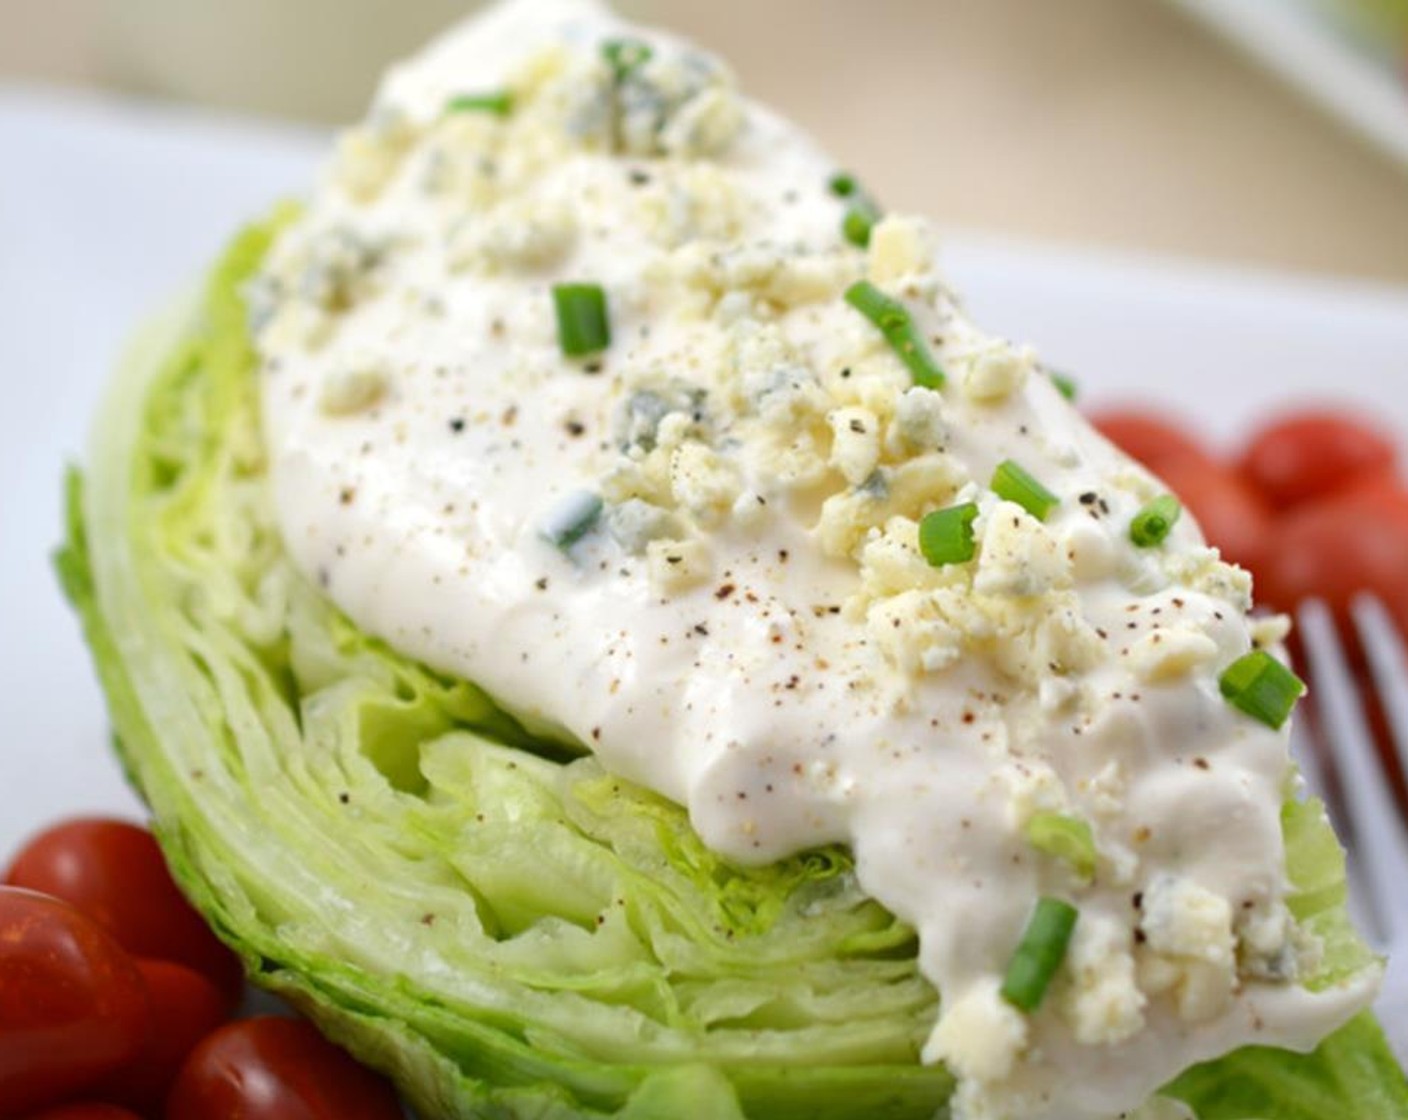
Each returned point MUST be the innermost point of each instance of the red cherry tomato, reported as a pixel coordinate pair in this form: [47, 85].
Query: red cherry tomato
[114, 872]
[72, 1004]
[1233, 516]
[185, 1008]
[269, 1068]
[1153, 440]
[1308, 455]
[85, 1111]
[1337, 548]
[1383, 496]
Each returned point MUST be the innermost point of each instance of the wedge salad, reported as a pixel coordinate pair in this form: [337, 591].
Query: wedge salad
[602, 631]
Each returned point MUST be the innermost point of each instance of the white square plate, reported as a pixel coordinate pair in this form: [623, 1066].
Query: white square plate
[106, 211]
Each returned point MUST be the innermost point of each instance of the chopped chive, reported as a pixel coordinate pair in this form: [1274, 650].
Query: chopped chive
[893, 321]
[858, 223]
[1068, 839]
[500, 103]
[1014, 484]
[861, 214]
[1040, 953]
[843, 184]
[946, 535]
[1152, 524]
[626, 56]
[887, 314]
[1065, 385]
[572, 518]
[1262, 687]
[582, 325]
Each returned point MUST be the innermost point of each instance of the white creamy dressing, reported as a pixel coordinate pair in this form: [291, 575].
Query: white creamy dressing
[755, 635]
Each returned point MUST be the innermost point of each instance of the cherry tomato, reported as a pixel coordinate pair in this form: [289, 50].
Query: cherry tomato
[1383, 496]
[72, 1003]
[85, 1111]
[1151, 439]
[269, 1068]
[1337, 548]
[1307, 455]
[185, 1008]
[114, 872]
[1232, 514]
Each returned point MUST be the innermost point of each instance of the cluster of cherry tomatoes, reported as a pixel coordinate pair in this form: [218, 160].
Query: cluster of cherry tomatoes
[116, 1001]
[1313, 505]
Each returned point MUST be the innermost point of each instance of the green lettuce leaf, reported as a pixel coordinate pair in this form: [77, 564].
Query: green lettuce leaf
[506, 929]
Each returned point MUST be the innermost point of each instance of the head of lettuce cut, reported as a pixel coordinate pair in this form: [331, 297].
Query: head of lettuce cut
[507, 931]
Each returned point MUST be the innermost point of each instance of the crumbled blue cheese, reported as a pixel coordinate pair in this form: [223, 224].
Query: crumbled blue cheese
[518, 234]
[1191, 946]
[900, 247]
[633, 524]
[338, 267]
[918, 424]
[1168, 654]
[855, 443]
[995, 372]
[354, 388]
[1182, 919]
[981, 1035]
[676, 566]
[1019, 556]
[1102, 999]
[370, 156]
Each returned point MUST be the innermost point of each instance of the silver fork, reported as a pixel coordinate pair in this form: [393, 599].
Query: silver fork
[1377, 834]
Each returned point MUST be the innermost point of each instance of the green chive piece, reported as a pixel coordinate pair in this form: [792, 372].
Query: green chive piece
[1065, 385]
[1262, 687]
[573, 517]
[500, 103]
[582, 325]
[860, 219]
[626, 56]
[861, 214]
[1014, 484]
[1068, 839]
[1039, 955]
[946, 535]
[893, 321]
[1152, 524]
[843, 184]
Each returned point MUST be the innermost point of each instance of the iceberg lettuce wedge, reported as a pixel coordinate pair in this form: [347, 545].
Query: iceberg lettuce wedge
[505, 928]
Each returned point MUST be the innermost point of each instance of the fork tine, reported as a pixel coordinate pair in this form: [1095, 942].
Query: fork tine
[1379, 834]
[1311, 766]
[1389, 662]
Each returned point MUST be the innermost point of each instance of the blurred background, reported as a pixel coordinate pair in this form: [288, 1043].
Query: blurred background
[1136, 124]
